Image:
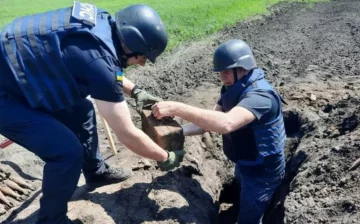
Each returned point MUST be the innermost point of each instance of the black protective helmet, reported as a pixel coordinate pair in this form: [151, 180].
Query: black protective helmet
[233, 54]
[141, 29]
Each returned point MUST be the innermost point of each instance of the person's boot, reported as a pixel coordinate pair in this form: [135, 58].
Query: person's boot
[109, 176]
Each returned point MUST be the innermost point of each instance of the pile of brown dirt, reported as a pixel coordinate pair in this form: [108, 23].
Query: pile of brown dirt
[311, 55]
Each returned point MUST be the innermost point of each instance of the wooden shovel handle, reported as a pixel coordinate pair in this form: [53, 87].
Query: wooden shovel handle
[108, 135]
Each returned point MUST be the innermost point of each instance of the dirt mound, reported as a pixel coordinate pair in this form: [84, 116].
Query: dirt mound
[311, 55]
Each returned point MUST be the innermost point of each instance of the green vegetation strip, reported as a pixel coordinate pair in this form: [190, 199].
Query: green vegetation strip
[185, 19]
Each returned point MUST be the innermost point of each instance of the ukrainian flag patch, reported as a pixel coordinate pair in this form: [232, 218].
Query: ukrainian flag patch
[119, 76]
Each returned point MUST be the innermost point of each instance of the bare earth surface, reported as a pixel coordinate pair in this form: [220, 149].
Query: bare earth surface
[312, 56]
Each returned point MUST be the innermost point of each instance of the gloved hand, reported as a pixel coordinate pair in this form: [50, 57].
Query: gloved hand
[143, 98]
[174, 159]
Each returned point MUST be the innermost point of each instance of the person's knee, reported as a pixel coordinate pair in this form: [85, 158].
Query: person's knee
[75, 153]
[69, 152]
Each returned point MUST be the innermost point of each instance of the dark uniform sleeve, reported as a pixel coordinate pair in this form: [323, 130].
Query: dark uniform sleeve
[262, 104]
[94, 70]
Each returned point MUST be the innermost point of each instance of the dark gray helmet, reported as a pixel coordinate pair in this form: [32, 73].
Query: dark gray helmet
[141, 29]
[233, 54]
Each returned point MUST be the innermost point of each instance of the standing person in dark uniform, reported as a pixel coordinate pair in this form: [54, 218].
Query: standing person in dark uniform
[50, 62]
[249, 117]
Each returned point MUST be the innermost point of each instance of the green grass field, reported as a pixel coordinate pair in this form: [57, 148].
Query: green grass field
[184, 19]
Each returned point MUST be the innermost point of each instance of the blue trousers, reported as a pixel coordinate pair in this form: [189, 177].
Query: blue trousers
[66, 141]
[255, 195]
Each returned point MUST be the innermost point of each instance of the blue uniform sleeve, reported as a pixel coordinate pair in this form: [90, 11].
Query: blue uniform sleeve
[262, 104]
[94, 69]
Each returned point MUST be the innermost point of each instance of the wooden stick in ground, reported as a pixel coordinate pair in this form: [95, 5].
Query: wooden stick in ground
[108, 135]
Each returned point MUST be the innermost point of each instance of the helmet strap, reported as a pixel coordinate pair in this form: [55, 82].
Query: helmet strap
[125, 57]
[235, 72]
[117, 44]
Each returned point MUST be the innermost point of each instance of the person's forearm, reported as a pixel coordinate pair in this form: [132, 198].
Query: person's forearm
[127, 86]
[118, 117]
[138, 142]
[207, 119]
[192, 129]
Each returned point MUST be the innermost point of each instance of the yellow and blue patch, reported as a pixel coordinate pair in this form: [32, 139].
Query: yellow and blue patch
[119, 76]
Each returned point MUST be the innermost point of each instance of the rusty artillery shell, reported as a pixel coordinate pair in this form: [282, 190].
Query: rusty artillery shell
[2, 176]
[4, 200]
[3, 170]
[9, 192]
[15, 186]
[21, 182]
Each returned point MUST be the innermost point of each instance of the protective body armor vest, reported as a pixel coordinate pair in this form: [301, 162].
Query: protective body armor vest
[31, 47]
[269, 137]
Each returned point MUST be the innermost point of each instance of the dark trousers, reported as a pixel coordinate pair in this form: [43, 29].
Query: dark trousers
[66, 141]
[256, 193]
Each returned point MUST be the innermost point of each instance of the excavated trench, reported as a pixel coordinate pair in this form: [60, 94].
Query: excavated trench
[295, 129]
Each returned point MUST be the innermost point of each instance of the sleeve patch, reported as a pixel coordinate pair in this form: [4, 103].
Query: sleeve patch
[119, 76]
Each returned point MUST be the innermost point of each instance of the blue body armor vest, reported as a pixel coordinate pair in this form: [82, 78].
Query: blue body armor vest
[31, 47]
[269, 137]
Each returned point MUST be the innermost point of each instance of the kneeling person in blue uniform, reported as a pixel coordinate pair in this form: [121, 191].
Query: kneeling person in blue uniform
[249, 117]
[50, 62]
